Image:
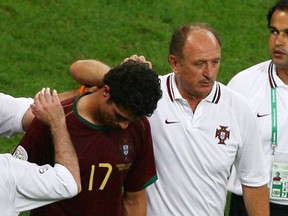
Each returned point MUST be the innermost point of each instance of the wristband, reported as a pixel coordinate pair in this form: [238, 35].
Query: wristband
[81, 89]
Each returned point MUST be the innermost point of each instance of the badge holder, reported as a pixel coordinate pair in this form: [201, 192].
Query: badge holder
[279, 181]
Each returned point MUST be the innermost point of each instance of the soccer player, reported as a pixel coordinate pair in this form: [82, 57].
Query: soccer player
[113, 142]
[264, 85]
[25, 185]
[200, 129]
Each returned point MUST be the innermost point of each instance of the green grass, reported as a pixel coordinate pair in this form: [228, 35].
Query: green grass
[41, 38]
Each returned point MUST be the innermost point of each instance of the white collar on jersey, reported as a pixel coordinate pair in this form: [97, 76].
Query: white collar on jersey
[274, 79]
[174, 94]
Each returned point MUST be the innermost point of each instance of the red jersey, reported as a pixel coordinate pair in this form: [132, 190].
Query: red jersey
[111, 160]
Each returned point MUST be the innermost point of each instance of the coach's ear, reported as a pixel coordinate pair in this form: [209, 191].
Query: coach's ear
[173, 61]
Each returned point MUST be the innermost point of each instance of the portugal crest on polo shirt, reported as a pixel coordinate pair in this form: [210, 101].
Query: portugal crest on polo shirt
[126, 148]
[222, 134]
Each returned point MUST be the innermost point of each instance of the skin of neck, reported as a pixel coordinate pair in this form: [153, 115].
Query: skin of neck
[87, 107]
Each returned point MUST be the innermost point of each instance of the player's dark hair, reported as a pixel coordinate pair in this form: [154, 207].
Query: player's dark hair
[280, 5]
[134, 87]
[179, 37]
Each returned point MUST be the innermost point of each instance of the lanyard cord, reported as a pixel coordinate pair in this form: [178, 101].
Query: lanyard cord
[274, 120]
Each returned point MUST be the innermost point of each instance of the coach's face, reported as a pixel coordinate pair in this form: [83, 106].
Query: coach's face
[198, 69]
[278, 40]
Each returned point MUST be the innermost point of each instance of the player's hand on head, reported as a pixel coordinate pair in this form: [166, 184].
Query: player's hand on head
[47, 108]
[140, 59]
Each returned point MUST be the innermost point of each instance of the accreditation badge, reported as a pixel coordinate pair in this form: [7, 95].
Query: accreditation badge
[279, 181]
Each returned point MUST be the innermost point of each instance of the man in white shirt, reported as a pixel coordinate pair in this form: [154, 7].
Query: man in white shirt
[200, 129]
[23, 185]
[265, 86]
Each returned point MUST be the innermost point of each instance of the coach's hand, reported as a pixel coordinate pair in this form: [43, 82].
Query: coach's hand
[140, 59]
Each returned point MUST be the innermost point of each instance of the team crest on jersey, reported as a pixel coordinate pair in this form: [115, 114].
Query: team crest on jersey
[125, 147]
[222, 134]
[20, 153]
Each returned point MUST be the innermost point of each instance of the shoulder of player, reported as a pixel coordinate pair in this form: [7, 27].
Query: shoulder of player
[141, 123]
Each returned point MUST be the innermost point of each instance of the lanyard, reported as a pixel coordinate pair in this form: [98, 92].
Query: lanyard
[274, 120]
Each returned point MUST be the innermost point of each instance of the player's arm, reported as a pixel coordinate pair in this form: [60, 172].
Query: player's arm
[48, 109]
[134, 203]
[256, 200]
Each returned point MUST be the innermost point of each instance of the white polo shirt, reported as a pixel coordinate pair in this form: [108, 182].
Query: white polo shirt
[11, 114]
[255, 85]
[195, 151]
[24, 186]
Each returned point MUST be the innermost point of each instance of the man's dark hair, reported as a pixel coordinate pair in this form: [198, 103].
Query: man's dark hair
[179, 37]
[280, 5]
[134, 87]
